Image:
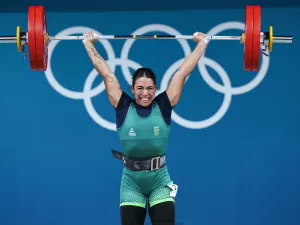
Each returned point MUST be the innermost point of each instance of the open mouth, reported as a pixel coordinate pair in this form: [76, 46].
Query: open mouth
[145, 100]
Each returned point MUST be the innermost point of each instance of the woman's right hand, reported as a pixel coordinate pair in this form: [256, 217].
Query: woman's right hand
[90, 36]
[200, 37]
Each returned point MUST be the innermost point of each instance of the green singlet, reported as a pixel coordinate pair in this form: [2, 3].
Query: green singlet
[145, 137]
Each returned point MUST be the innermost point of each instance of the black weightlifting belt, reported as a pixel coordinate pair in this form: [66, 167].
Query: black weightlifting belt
[150, 164]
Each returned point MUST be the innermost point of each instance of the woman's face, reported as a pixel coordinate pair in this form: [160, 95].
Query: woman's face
[144, 91]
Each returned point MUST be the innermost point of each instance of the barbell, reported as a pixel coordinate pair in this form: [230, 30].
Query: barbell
[37, 38]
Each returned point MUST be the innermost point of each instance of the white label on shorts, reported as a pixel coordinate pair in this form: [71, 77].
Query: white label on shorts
[174, 189]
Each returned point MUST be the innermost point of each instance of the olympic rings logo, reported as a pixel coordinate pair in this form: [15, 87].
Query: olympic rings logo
[88, 92]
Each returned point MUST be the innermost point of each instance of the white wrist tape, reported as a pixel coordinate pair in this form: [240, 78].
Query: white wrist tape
[205, 40]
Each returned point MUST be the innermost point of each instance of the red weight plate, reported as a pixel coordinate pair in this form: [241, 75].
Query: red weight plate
[256, 38]
[248, 38]
[31, 38]
[41, 31]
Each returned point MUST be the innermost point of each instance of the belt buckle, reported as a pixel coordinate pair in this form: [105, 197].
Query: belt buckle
[156, 163]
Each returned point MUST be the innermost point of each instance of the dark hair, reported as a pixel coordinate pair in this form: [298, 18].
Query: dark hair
[143, 72]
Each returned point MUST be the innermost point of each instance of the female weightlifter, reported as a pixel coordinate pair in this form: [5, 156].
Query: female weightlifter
[143, 126]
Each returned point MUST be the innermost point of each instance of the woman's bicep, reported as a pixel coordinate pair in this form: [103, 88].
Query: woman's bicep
[113, 88]
[175, 87]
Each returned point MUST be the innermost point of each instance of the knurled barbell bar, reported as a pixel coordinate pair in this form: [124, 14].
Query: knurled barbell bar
[37, 38]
